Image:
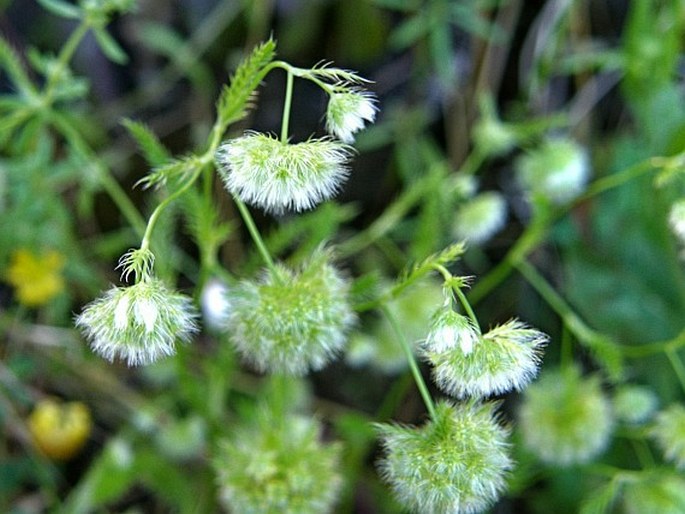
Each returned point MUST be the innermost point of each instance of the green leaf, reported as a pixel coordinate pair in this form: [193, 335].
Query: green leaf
[109, 46]
[12, 65]
[235, 98]
[443, 258]
[153, 150]
[172, 170]
[61, 8]
[600, 501]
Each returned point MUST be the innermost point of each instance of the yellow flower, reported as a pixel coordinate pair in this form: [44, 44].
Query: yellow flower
[37, 279]
[60, 429]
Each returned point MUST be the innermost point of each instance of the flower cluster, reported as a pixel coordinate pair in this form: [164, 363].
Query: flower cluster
[456, 463]
[276, 176]
[467, 363]
[566, 418]
[291, 322]
[138, 324]
[278, 465]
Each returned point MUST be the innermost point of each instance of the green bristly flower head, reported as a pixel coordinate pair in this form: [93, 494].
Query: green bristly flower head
[558, 170]
[634, 403]
[291, 322]
[468, 364]
[278, 466]
[566, 418]
[138, 324]
[456, 463]
[347, 111]
[481, 217]
[276, 176]
[669, 433]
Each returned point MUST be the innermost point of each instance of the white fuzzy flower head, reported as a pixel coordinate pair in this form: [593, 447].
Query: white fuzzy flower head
[558, 170]
[292, 322]
[505, 358]
[278, 176]
[138, 324]
[634, 403]
[278, 465]
[676, 219]
[669, 433]
[481, 217]
[214, 304]
[655, 491]
[566, 418]
[347, 111]
[455, 463]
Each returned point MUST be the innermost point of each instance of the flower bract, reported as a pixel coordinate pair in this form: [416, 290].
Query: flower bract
[455, 463]
[138, 324]
[279, 176]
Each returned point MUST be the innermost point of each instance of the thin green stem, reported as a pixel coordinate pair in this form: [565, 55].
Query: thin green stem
[568, 316]
[285, 122]
[418, 378]
[254, 233]
[65, 55]
[677, 365]
[535, 232]
[154, 217]
[449, 279]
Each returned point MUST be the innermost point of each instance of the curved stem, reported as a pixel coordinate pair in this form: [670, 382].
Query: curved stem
[286, 106]
[418, 378]
[64, 57]
[254, 232]
[154, 217]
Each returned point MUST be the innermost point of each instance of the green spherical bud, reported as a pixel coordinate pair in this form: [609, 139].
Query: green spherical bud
[455, 463]
[480, 218]
[291, 322]
[566, 418]
[558, 170]
[634, 404]
[278, 465]
[669, 433]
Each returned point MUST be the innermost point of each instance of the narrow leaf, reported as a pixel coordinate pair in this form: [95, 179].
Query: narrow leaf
[153, 150]
[234, 100]
[109, 46]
